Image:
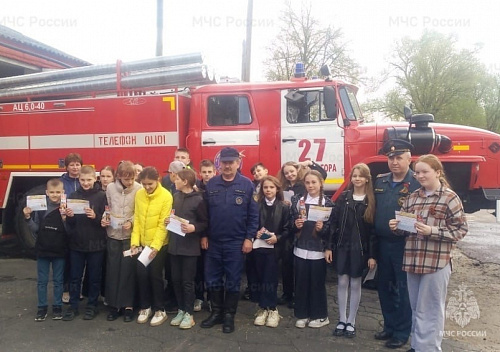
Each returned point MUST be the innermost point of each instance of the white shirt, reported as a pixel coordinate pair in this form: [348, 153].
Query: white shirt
[304, 253]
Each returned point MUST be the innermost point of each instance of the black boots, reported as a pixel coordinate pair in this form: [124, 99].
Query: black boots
[230, 305]
[223, 310]
[217, 301]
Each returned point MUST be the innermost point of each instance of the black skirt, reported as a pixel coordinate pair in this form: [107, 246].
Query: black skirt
[120, 274]
[349, 261]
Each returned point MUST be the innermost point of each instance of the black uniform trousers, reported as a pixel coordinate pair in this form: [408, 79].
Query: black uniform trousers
[310, 289]
[150, 282]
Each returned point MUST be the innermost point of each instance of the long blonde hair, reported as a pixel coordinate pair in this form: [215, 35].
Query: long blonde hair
[281, 175]
[364, 170]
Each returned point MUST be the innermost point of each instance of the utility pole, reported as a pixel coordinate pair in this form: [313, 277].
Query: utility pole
[247, 45]
[159, 27]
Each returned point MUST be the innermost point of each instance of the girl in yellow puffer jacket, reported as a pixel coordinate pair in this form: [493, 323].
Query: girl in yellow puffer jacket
[153, 204]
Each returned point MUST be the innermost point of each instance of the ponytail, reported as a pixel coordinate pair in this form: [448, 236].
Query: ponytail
[443, 180]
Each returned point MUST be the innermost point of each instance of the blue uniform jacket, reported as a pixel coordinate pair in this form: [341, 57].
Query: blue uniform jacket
[389, 200]
[232, 210]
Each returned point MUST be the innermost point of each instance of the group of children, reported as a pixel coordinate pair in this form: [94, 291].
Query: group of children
[129, 212]
[305, 246]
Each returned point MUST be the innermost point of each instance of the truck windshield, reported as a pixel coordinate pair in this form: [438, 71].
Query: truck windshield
[350, 104]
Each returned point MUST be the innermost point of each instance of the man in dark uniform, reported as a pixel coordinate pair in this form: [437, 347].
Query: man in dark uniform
[391, 189]
[234, 221]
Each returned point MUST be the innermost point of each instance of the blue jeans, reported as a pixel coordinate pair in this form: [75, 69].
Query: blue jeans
[92, 262]
[43, 270]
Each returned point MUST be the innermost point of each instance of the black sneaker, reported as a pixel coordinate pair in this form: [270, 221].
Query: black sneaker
[246, 294]
[128, 315]
[90, 313]
[41, 314]
[70, 314]
[57, 313]
[113, 314]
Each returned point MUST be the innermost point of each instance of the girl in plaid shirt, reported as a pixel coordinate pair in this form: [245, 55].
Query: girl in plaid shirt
[427, 260]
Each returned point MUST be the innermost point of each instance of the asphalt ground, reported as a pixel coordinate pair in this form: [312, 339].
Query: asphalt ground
[483, 240]
[19, 331]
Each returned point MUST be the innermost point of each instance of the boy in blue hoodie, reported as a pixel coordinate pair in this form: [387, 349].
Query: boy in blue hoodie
[51, 246]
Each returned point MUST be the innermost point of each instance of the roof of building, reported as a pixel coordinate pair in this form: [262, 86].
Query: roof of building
[15, 40]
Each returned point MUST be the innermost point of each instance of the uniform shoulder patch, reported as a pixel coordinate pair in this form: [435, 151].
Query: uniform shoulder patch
[383, 175]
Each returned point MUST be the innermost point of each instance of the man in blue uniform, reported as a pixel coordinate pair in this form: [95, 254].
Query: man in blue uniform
[391, 189]
[234, 220]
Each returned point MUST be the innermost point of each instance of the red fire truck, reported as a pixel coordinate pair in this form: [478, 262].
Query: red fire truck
[143, 111]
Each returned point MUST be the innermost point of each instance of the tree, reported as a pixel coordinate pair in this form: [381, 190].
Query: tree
[302, 39]
[436, 77]
[490, 98]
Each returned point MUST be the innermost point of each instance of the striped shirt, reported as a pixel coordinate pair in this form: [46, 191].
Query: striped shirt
[444, 212]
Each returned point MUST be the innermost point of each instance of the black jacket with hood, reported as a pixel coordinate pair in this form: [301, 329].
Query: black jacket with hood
[85, 234]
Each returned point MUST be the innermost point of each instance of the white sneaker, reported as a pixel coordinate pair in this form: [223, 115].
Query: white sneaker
[198, 303]
[159, 318]
[187, 322]
[317, 323]
[301, 323]
[178, 318]
[260, 317]
[144, 315]
[273, 318]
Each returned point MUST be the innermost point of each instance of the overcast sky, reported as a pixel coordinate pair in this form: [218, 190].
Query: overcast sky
[102, 31]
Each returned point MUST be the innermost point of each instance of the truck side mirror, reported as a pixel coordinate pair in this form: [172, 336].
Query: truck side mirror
[325, 72]
[408, 113]
[330, 102]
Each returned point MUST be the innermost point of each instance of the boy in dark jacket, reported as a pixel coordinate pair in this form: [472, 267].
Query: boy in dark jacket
[87, 242]
[51, 246]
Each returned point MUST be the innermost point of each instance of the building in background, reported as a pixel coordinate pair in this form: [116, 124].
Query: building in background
[20, 55]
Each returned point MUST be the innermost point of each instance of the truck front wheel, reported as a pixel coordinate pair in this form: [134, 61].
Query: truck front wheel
[26, 238]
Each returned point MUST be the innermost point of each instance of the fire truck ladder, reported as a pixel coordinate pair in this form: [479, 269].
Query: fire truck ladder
[160, 72]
